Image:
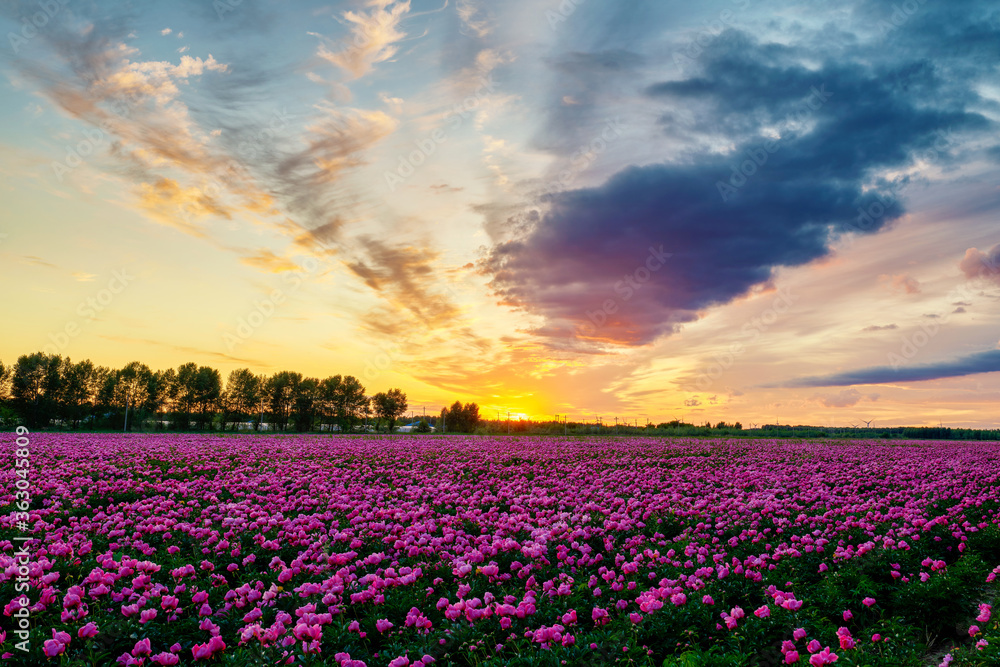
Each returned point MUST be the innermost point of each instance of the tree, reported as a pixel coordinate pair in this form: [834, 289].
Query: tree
[242, 397]
[161, 390]
[352, 403]
[341, 401]
[461, 418]
[423, 427]
[6, 372]
[198, 391]
[184, 398]
[389, 405]
[133, 383]
[79, 390]
[304, 401]
[281, 391]
[208, 391]
[35, 387]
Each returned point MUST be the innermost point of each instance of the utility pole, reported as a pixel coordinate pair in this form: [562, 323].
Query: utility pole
[508, 422]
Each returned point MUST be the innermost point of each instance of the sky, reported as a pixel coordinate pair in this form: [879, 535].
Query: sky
[748, 210]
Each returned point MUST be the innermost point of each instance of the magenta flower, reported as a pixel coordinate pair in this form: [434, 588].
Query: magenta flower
[382, 625]
[142, 647]
[52, 648]
[791, 657]
[868, 602]
[984, 613]
[87, 631]
[762, 612]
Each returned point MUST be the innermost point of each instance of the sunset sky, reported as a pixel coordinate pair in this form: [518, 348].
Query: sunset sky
[737, 209]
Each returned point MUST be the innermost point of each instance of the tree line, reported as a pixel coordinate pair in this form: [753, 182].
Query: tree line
[42, 390]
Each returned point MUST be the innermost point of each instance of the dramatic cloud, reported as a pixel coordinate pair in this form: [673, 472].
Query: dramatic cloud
[981, 362]
[810, 147]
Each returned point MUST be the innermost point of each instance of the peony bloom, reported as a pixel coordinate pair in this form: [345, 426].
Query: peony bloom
[401, 661]
[165, 659]
[635, 617]
[799, 633]
[142, 647]
[824, 657]
[791, 657]
[848, 615]
[973, 630]
[868, 602]
[813, 646]
[52, 648]
[762, 612]
[382, 625]
[984, 613]
[87, 631]
[707, 600]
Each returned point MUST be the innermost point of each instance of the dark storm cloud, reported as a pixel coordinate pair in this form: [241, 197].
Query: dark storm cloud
[981, 362]
[842, 125]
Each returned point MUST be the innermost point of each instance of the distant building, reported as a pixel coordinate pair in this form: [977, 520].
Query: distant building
[411, 427]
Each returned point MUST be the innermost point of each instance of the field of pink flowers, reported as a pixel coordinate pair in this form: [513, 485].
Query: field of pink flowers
[309, 550]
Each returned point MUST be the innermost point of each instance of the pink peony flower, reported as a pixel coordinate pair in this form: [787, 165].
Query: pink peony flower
[87, 631]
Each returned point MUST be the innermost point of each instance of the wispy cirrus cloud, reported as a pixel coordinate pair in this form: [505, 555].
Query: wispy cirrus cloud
[373, 38]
